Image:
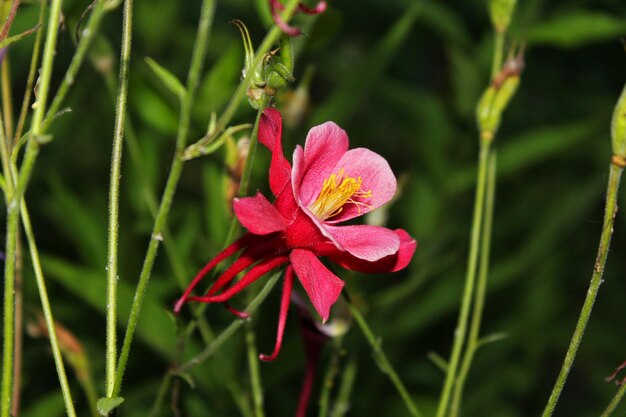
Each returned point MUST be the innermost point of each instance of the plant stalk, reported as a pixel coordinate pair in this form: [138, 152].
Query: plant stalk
[481, 288]
[382, 360]
[193, 79]
[114, 198]
[615, 174]
[13, 210]
[470, 279]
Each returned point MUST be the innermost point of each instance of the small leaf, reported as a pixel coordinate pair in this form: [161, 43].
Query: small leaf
[491, 338]
[577, 28]
[167, 78]
[12, 39]
[106, 405]
[186, 376]
[438, 360]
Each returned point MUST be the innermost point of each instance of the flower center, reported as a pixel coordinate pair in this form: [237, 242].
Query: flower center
[338, 190]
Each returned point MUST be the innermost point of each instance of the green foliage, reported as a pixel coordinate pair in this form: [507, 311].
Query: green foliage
[403, 78]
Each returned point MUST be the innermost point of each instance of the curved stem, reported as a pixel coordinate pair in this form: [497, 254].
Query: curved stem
[114, 197]
[498, 52]
[195, 69]
[255, 374]
[615, 174]
[382, 360]
[481, 288]
[470, 278]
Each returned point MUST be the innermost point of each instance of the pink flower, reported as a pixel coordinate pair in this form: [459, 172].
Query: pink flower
[327, 185]
[276, 7]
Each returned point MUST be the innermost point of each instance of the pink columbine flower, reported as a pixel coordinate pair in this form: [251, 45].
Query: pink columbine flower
[327, 185]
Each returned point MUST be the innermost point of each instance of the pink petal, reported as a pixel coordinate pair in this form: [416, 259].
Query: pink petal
[325, 145]
[370, 243]
[321, 285]
[270, 135]
[376, 175]
[258, 215]
[390, 263]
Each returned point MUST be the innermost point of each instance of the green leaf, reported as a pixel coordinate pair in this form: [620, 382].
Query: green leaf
[167, 78]
[576, 28]
[106, 405]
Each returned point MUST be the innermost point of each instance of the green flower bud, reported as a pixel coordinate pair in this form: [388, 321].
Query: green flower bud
[501, 12]
[618, 126]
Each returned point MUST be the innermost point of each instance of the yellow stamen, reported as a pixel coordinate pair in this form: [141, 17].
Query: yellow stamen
[338, 189]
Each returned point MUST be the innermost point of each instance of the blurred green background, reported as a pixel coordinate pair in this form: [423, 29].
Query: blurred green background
[402, 77]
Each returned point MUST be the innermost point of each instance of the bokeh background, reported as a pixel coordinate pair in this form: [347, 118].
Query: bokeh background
[402, 77]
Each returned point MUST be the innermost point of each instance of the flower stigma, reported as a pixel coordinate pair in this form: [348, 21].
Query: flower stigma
[339, 189]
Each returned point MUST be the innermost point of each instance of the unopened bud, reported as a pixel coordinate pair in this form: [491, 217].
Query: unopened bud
[501, 12]
[618, 126]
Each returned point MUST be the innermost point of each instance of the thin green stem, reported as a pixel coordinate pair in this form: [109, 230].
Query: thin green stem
[498, 53]
[382, 360]
[87, 36]
[195, 69]
[481, 288]
[470, 278]
[13, 210]
[114, 197]
[161, 394]
[615, 173]
[615, 401]
[329, 378]
[342, 402]
[255, 374]
[34, 60]
[232, 327]
[47, 312]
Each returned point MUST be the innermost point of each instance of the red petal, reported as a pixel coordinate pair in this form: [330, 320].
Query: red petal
[270, 135]
[229, 251]
[258, 215]
[321, 285]
[389, 263]
[319, 8]
[282, 315]
[255, 273]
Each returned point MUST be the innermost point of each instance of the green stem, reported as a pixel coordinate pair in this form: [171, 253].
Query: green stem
[47, 312]
[481, 288]
[195, 69]
[470, 278]
[114, 197]
[329, 378]
[498, 53]
[382, 360]
[13, 210]
[596, 279]
[31, 73]
[342, 402]
[231, 329]
[87, 36]
[615, 401]
[255, 374]
[162, 393]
